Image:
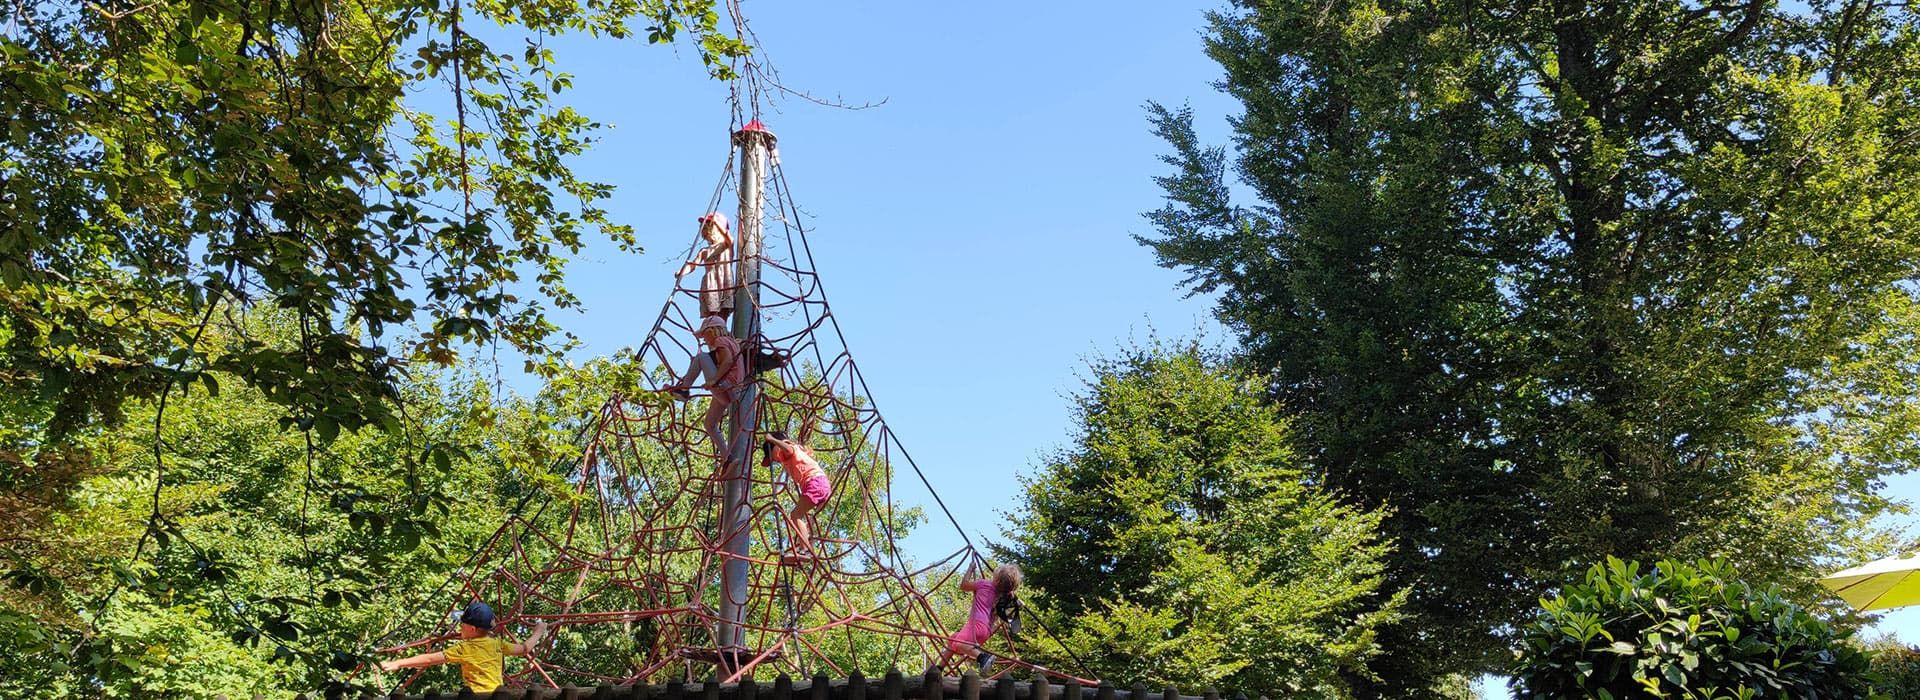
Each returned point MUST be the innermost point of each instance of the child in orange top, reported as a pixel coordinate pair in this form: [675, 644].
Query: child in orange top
[478, 652]
[805, 472]
[989, 595]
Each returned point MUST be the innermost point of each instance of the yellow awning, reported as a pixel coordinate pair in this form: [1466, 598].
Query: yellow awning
[1888, 583]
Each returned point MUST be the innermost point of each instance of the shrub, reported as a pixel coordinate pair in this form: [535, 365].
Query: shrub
[1681, 631]
[1896, 671]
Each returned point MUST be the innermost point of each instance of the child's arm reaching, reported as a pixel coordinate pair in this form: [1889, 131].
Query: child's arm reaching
[533, 640]
[969, 584]
[432, 658]
[698, 258]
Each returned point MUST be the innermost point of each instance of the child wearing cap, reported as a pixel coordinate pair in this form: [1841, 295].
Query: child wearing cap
[723, 371]
[806, 474]
[716, 261]
[480, 654]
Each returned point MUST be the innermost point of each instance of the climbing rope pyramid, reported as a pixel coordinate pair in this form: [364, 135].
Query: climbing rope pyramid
[665, 561]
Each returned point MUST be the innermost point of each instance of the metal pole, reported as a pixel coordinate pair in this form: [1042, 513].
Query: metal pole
[755, 142]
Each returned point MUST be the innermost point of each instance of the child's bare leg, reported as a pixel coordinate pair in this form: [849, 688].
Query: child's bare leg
[802, 530]
[956, 649]
[716, 410]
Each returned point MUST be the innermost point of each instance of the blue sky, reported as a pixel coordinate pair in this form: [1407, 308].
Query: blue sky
[973, 231]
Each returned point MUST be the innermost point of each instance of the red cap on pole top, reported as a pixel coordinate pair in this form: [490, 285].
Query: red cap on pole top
[754, 127]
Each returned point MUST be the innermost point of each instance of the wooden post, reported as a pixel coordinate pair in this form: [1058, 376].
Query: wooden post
[754, 142]
[1005, 689]
[1104, 692]
[1042, 690]
[711, 689]
[933, 685]
[821, 689]
[894, 686]
[970, 686]
[1070, 691]
[856, 686]
[1139, 692]
[1171, 693]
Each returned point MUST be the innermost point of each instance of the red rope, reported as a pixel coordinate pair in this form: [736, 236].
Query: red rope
[633, 554]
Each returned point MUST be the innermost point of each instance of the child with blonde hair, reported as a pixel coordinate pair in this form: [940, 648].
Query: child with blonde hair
[991, 596]
[716, 262]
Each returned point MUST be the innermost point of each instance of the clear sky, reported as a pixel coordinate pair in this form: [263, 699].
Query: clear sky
[974, 231]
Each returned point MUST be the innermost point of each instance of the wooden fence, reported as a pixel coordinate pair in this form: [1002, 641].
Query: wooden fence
[855, 687]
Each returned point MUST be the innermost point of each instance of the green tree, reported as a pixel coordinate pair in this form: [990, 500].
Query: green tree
[1177, 540]
[173, 161]
[390, 186]
[1556, 281]
[1895, 667]
[280, 564]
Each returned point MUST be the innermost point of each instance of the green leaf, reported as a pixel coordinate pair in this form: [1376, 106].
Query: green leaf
[328, 428]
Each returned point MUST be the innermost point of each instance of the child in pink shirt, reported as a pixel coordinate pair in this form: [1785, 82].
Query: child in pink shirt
[724, 370]
[988, 595]
[805, 472]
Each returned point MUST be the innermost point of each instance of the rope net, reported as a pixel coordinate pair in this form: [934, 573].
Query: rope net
[628, 567]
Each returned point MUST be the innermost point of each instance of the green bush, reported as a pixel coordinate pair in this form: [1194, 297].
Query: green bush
[1896, 671]
[1681, 631]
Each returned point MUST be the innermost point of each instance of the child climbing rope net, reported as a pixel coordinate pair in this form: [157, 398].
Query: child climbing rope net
[673, 556]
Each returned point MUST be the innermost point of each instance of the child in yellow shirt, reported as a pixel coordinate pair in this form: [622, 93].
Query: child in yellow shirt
[481, 655]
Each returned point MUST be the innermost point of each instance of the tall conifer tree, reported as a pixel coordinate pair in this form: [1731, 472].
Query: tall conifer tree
[1554, 281]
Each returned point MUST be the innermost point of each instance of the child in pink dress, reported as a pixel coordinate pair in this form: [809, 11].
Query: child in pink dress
[724, 371]
[716, 262]
[989, 594]
[805, 472]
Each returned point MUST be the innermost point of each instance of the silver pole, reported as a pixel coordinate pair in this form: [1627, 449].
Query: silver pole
[755, 142]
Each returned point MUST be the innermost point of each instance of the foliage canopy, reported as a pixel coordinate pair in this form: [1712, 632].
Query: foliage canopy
[1551, 282]
[173, 161]
[284, 220]
[1177, 541]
